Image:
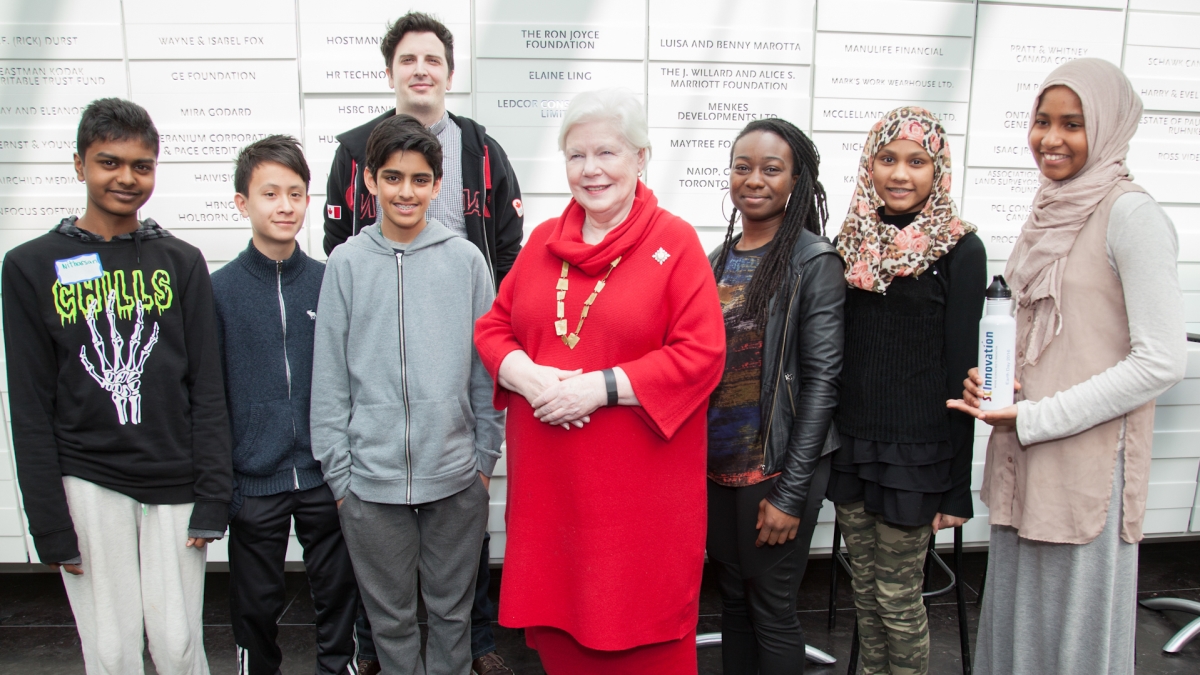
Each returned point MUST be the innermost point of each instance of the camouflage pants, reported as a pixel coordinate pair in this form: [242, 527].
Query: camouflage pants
[887, 564]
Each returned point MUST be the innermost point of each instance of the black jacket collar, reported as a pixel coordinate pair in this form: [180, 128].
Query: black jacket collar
[266, 269]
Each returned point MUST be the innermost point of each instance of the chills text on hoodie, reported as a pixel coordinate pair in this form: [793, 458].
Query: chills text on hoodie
[401, 405]
[114, 376]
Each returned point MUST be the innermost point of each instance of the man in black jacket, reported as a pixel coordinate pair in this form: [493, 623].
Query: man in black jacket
[479, 200]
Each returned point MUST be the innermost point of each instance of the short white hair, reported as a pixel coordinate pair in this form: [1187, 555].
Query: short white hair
[618, 105]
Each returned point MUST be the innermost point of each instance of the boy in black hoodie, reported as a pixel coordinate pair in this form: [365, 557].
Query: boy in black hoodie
[118, 409]
[266, 310]
[479, 200]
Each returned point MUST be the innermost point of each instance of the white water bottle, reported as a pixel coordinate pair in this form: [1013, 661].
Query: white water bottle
[997, 348]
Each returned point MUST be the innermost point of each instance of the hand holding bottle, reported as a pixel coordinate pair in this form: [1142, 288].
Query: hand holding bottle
[969, 403]
[989, 390]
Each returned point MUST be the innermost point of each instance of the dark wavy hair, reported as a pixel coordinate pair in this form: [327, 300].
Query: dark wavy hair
[416, 22]
[806, 210]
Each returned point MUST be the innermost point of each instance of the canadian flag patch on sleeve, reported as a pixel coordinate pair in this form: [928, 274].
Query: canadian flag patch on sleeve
[519, 208]
[333, 211]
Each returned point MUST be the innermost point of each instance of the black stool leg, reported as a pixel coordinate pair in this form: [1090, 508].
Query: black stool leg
[853, 660]
[964, 634]
[925, 571]
[833, 573]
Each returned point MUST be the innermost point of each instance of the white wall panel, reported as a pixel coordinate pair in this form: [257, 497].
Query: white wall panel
[41, 93]
[730, 32]
[62, 14]
[551, 29]
[704, 83]
[211, 41]
[1015, 48]
[857, 115]
[1166, 521]
[219, 75]
[60, 29]
[1177, 6]
[906, 67]
[913, 17]
[13, 550]
[49, 41]
[1101, 4]
[703, 95]
[230, 12]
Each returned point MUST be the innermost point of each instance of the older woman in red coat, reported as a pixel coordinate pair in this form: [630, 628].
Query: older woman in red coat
[605, 342]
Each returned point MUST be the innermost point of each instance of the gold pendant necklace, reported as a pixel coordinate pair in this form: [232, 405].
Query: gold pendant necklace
[560, 326]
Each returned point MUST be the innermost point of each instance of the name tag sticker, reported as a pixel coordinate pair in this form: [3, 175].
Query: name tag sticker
[79, 269]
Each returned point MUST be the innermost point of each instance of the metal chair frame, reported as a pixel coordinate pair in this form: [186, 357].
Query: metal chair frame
[1185, 634]
[932, 558]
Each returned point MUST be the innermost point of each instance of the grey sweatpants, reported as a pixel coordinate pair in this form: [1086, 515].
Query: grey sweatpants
[137, 575]
[390, 544]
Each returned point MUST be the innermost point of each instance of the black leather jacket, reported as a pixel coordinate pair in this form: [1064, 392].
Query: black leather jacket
[802, 356]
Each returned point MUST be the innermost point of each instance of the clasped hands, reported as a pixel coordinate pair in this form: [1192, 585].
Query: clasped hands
[559, 397]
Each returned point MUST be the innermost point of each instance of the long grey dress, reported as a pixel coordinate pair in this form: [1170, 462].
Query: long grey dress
[1071, 609]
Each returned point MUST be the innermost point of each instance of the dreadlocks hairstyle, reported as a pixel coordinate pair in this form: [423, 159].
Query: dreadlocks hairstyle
[806, 210]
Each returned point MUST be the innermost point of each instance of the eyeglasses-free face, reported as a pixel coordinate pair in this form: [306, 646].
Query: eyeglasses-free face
[902, 173]
[1058, 137]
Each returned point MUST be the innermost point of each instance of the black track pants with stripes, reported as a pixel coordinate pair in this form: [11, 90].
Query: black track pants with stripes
[258, 539]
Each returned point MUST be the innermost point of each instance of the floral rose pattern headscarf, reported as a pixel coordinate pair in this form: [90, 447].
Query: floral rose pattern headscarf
[876, 252]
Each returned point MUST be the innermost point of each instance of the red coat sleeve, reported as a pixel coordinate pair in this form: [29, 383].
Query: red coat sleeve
[674, 381]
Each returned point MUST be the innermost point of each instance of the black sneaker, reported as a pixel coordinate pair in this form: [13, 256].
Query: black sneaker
[366, 667]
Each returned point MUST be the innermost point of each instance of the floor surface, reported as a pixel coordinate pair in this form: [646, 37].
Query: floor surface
[37, 632]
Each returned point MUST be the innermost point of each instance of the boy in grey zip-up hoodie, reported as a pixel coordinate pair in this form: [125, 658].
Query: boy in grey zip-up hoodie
[402, 416]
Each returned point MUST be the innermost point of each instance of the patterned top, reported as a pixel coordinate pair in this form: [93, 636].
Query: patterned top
[735, 448]
[447, 208]
[874, 252]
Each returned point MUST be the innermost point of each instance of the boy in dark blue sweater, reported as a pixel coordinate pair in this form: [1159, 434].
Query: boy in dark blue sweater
[266, 302]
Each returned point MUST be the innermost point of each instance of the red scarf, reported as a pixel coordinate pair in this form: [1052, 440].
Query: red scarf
[566, 239]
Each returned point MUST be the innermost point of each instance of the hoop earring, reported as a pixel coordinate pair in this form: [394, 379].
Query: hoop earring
[725, 218]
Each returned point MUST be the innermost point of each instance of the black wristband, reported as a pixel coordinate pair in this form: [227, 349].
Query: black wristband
[610, 383]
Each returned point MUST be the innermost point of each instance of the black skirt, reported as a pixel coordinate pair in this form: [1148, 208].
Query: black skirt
[901, 482]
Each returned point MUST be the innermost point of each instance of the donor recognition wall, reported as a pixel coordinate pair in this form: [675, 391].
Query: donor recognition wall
[220, 74]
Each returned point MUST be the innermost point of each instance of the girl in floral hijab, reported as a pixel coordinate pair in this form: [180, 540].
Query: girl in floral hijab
[917, 275]
[876, 252]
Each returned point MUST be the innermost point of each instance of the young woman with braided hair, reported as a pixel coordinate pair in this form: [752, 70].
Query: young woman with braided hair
[917, 276]
[782, 291]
